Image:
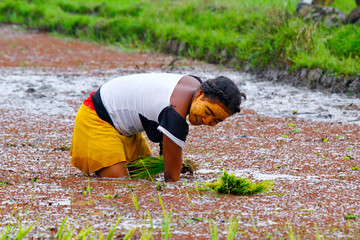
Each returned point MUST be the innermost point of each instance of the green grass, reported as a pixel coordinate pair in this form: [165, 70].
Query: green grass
[254, 33]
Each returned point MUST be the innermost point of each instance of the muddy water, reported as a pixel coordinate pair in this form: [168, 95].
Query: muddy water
[50, 94]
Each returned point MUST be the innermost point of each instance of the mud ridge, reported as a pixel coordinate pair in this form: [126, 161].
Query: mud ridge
[316, 78]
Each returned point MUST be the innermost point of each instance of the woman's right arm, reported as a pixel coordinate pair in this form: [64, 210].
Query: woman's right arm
[172, 160]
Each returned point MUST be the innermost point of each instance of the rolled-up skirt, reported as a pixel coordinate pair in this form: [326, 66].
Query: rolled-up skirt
[97, 144]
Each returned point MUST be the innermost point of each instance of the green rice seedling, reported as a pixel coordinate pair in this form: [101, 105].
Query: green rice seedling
[130, 233]
[350, 216]
[146, 234]
[318, 236]
[196, 188]
[4, 183]
[134, 199]
[110, 235]
[356, 168]
[83, 234]
[65, 233]
[31, 196]
[150, 220]
[6, 233]
[146, 167]
[230, 184]
[161, 203]
[213, 231]
[233, 228]
[166, 231]
[296, 130]
[61, 230]
[188, 196]
[347, 157]
[89, 190]
[9, 231]
[189, 199]
[195, 219]
[324, 139]
[290, 232]
[253, 220]
[22, 232]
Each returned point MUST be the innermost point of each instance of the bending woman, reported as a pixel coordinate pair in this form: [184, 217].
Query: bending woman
[107, 133]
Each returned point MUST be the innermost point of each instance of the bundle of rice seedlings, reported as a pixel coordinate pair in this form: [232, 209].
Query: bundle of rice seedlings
[146, 167]
[189, 166]
[230, 184]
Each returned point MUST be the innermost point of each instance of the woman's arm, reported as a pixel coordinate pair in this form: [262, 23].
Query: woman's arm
[172, 160]
[180, 100]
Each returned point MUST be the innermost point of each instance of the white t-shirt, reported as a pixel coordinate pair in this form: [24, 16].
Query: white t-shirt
[126, 98]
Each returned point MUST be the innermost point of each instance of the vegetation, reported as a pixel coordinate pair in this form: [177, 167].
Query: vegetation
[230, 184]
[239, 33]
[146, 167]
[67, 231]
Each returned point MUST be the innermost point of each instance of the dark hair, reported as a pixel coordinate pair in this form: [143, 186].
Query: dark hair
[225, 91]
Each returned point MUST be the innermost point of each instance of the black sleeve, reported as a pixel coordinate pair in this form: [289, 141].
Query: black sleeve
[173, 125]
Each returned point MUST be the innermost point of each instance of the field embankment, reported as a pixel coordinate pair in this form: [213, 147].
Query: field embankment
[264, 37]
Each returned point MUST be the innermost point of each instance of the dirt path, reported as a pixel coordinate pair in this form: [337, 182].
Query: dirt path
[313, 165]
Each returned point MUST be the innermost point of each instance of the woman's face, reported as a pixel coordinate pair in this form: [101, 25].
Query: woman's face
[206, 111]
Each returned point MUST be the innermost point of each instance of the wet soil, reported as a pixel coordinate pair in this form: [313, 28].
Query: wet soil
[313, 164]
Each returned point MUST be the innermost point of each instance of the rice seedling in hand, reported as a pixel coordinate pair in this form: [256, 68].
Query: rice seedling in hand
[230, 184]
[146, 167]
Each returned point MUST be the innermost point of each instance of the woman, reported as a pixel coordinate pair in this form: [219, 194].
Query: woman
[108, 125]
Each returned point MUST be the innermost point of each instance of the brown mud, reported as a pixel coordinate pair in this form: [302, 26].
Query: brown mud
[316, 190]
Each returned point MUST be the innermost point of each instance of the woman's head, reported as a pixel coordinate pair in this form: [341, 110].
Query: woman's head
[216, 100]
[225, 91]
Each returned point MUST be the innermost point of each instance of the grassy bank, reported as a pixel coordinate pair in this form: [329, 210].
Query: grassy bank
[255, 33]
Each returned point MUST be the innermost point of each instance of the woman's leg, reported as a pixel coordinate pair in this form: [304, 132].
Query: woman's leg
[117, 170]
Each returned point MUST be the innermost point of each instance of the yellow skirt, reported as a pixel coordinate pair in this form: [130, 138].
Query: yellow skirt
[96, 144]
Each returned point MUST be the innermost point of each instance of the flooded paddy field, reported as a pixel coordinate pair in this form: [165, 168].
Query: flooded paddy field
[306, 142]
